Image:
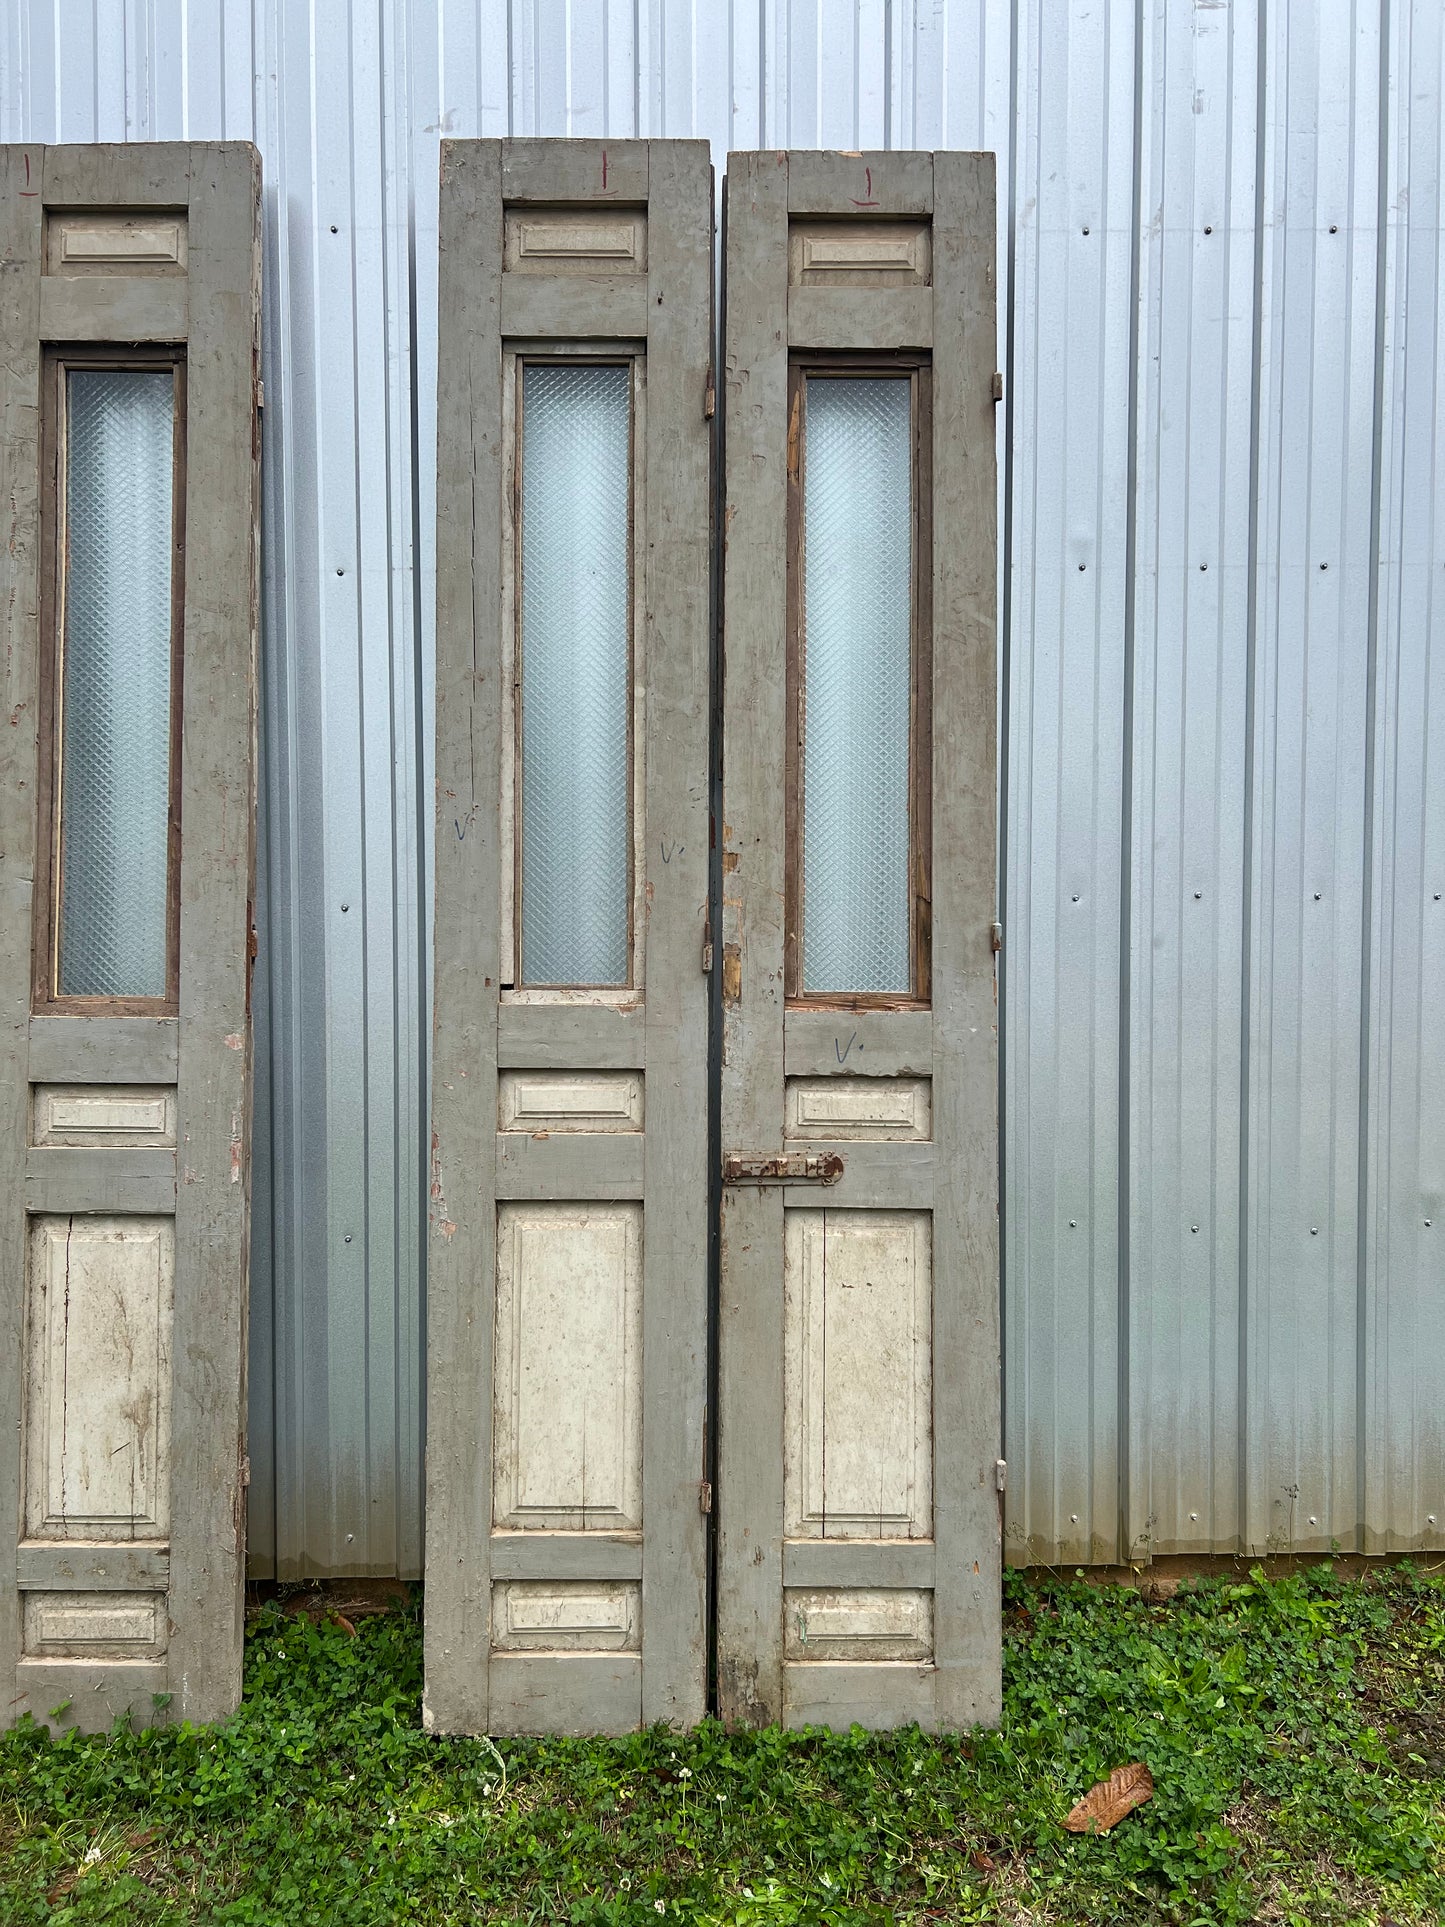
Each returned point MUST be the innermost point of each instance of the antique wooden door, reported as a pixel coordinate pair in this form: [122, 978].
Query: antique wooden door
[128, 477]
[567, 1295]
[858, 1480]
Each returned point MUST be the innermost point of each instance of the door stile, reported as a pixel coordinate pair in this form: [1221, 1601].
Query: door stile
[21, 239]
[678, 656]
[967, 1440]
[750, 1343]
[470, 704]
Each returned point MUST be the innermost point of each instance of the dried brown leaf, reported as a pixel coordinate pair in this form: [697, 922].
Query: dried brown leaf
[1105, 1805]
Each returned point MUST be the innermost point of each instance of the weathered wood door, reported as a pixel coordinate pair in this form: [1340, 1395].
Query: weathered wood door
[128, 476]
[858, 1556]
[567, 1294]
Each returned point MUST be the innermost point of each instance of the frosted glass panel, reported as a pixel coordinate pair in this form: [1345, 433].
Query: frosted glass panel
[858, 571]
[116, 714]
[576, 513]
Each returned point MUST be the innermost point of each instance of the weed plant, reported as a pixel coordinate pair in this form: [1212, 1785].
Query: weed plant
[1295, 1728]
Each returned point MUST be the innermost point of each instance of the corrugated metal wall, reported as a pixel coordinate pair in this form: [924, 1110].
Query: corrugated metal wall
[1224, 700]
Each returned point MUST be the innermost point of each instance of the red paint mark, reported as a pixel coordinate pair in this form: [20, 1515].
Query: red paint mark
[868, 190]
[604, 170]
[28, 193]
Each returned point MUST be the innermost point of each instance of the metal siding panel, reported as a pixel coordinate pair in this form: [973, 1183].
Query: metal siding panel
[348, 111]
[1404, 1228]
[1191, 669]
[1074, 245]
[1301, 1483]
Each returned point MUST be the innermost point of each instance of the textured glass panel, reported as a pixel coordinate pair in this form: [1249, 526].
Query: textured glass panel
[576, 504]
[858, 568]
[116, 714]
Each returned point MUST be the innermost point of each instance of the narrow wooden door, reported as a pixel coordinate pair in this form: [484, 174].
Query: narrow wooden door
[859, 1473]
[567, 1294]
[128, 473]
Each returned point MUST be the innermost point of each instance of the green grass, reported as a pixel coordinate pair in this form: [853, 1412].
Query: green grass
[1295, 1729]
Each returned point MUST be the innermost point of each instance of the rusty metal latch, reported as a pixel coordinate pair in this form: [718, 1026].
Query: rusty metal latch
[823, 1167]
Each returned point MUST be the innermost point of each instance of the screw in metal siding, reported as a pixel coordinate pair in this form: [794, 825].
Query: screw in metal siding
[1429, 1518]
[1197, 895]
[1194, 1227]
[1086, 230]
[1208, 229]
[333, 227]
[1073, 1224]
[1202, 567]
[1427, 1224]
[1314, 1231]
[1324, 565]
[1318, 895]
[1334, 227]
[1194, 1515]
[1073, 1516]
[1313, 1520]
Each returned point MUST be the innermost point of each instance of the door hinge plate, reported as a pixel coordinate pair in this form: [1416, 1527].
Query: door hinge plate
[709, 398]
[1000, 1474]
[996, 937]
[704, 1496]
[797, 1167]
[998, 384]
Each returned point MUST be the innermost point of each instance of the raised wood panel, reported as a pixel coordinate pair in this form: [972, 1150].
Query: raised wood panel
[79, 1115]
[859, 1108]
[566, 1616]
[859, 254]
[575, 240]
[837, 1624]
[94, 1625]
[857, 1374]
[98, 1389]
[102, 243]
[550, 1101]
[567, 1420]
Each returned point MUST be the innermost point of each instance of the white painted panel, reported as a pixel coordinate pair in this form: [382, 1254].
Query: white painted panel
[858, 1431]
[567, 1433]
[97, 1426]
[849, 1108]
[570, 1100]
[863, 1624]
[567, 1616]
[88, 1114]
[94, 1625]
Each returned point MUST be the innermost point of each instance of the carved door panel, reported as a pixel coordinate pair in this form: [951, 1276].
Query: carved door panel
[567, 1297]
[858, 1522]
[128, 473]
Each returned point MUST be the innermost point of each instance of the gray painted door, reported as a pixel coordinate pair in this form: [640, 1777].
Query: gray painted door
[858, 1483]
[567, 1292]
[128, 474]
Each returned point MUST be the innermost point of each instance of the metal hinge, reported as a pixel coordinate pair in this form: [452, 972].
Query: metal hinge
[709, 399]
[707, 947]
[998, 384]
[823, 1167]
[996, 937]
[260, 394]
[245, 1471]
[704, 1496]
[1000, 1473]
